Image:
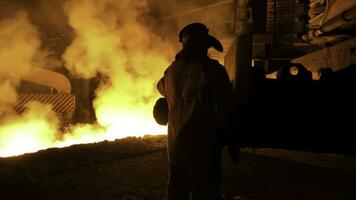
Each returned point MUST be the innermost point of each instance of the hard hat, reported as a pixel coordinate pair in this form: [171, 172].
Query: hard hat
[199, 30]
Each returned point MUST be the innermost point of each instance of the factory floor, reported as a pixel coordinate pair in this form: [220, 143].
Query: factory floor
[137, 169]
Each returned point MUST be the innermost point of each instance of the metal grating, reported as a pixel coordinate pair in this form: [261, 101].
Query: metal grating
[61, 103]
[280, 16]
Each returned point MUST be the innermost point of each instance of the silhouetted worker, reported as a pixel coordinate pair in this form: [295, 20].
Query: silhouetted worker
[201, 111]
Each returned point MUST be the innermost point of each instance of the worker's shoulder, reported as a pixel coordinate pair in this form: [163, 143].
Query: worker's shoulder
[170, 66]
[215, 65]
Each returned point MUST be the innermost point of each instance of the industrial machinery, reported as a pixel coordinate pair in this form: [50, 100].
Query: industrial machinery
[291, 62]
[294, 74]
[292, 66]
[47, 87]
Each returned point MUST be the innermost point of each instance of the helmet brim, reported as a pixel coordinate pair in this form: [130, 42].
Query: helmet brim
[215, 43]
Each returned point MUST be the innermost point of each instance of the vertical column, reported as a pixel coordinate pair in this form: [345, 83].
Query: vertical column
[243, 52]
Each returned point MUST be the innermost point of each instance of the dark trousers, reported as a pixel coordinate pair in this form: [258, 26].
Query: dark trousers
[201, 180]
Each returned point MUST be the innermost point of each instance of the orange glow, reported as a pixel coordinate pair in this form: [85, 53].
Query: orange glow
[108, 40]
[33, 130]
[113, 43]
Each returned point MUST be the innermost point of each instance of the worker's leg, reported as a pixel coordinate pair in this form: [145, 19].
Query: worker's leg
[179, 182]
[206, 179]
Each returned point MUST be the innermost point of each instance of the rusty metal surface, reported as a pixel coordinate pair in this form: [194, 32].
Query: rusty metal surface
[50, 79]
[336, 57]
[337, 7]
[280, 16]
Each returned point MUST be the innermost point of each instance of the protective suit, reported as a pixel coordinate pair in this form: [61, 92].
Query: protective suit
[201, 110]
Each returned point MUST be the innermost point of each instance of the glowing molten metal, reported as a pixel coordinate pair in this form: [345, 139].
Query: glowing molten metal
[108, 40]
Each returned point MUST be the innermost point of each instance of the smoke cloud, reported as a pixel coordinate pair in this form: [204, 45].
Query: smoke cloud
[110, 40]
[115, 41]
[19, 45]
[20, 51]
[34, 129]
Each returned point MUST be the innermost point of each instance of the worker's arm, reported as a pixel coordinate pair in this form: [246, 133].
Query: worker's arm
[161, 87]
[224, 110]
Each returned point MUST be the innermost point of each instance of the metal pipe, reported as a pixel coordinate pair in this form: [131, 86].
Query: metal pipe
[274, 22]
[196, 10]
[339, 20]
[243, 52]
[242, 17]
